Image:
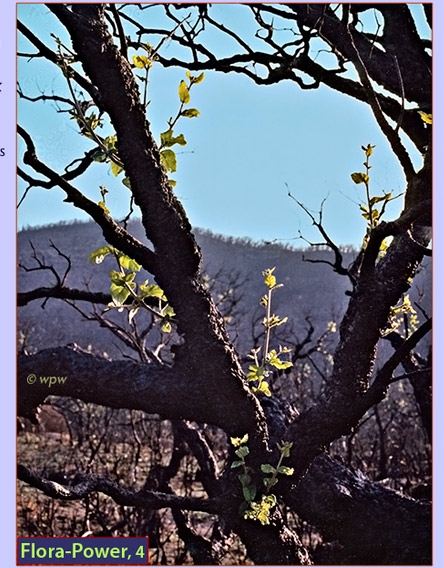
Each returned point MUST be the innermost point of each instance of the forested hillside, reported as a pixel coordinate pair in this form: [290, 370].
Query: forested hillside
[310, 289]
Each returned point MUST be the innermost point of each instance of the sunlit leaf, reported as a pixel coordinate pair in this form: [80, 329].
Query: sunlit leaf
[166, 327]
[184, 93]
[142, 61]
[167, 139]
[169, 161]
[286, 470]
[199, 78]
[115, 168]
[377, 199]
[239, 441]
[104, 207]
[359, 177]
[97, 256]
[190, 112]
[110, 142]
[119, 293]
[129, 263]
[256, 372]
[427, 118]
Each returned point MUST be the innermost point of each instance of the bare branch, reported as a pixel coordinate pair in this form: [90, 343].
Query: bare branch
[85, 485]
[113, 233]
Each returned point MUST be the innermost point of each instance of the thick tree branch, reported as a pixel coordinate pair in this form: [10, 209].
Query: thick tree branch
[64, 293]
[113, 233]
[154, 388]
[84, 485]
[177, 268]
[371, 523]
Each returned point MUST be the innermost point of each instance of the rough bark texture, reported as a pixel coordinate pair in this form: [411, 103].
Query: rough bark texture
[205, 383]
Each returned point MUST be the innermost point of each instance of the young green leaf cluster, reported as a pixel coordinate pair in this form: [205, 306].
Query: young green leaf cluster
[402, 313]
[108, 153]
[427, 118]
[260, 370]
[371, 213]
[123, 286]
[167, 138]
[259, 510]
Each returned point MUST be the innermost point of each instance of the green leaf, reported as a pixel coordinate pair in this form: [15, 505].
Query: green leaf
[169, 161]
[270, 280]
[368, 150]
[359, 177]
[199, 78]
[184, 94]
[168, 311]
[385, 244]
[249, 492]
[270, 481]
[267, 468]
[99, 156]
[97, 256]
[256, 372]
[116, 278]
[110, 142]
[172, 182]
[152, 290]
[239, 441]
[128, 263]
[167, 139]
[273, 321]
[376, 199]
[142, 61]
[190, 112]
[119, 293]
[166, 327]
[264, 388]
[244, 478]
[126, 182]
[236, 464]
[285, 448]
[115, 168]
[104, 207]
[242, 452]
[427, 118]
[276, 362]
[285, 470]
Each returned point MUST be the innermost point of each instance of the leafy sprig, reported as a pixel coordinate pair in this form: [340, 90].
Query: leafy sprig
[123, 286]
[167, 138]
[259, 510]
[261, 369]
[375, 205]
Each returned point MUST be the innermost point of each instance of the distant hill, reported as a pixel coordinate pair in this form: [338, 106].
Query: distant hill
[309, 289]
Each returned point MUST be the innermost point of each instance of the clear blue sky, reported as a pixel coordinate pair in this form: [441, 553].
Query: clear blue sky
[247, 144]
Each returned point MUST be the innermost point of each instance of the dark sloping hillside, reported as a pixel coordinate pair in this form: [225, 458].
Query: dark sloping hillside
[309, 289]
